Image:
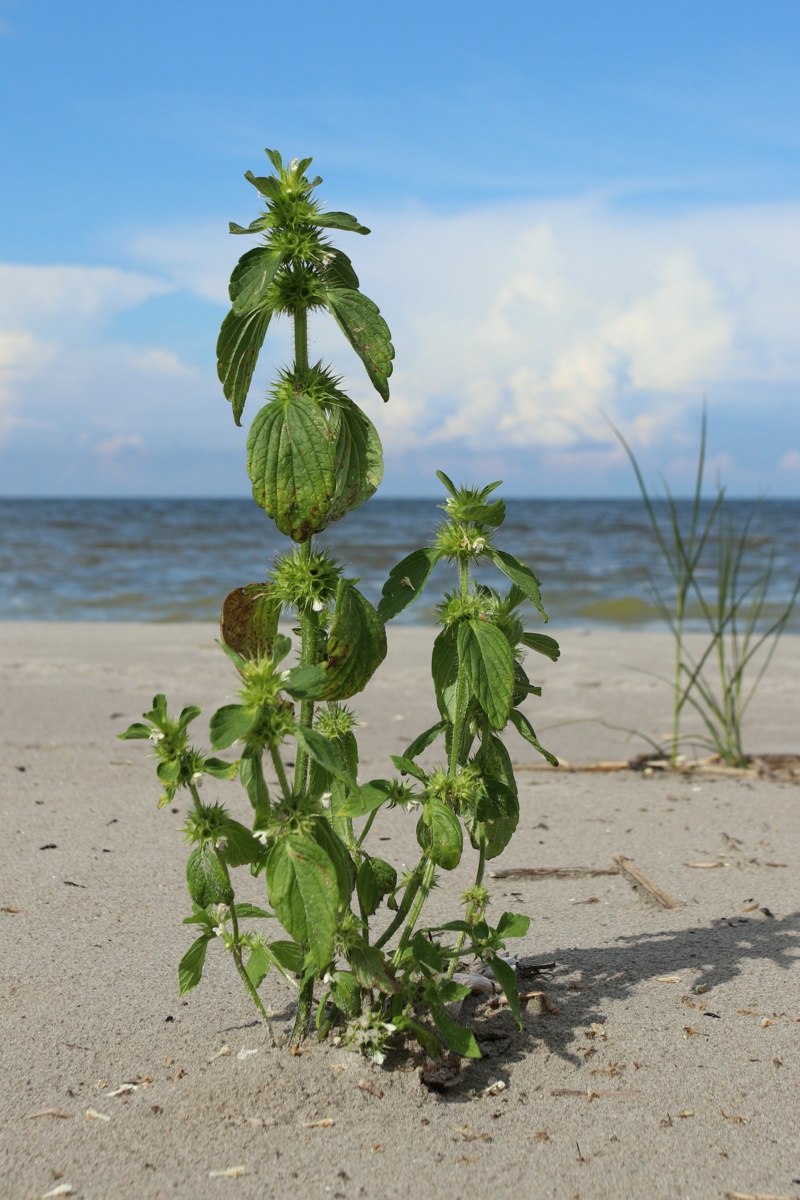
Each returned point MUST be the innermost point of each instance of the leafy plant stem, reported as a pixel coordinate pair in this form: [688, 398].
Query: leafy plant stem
[478, 881]
[280, 771]
[195, 797]
[301, 341]
[416, 908]
[309, 630]
[367, 827]
[305, 1001]
[249, 987]
[400, 916]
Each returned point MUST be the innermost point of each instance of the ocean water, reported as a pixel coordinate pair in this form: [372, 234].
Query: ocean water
[175, 560]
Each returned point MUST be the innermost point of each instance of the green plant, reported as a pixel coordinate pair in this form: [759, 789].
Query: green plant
[743, 630]
[354, 928]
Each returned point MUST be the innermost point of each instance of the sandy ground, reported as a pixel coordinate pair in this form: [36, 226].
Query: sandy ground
[670, 1070]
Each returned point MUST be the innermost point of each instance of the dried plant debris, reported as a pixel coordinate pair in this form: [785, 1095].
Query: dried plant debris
[440, 1073]
[551, 872]
[641, 884]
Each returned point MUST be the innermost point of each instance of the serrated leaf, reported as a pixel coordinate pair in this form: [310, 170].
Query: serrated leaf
[365, 799]
[339, 272]
[249, 620]
[240, 340]
[252, 277]
[406, 581]
[359, 459]
[291, 461]
[190, 968]
[375, 879]
[245, 910]
[338, 220]
[360, 320]
[267, 185]
[320, 749]
[524, 727]
[519, 574]
[489, 664]
[439, 834]
[230, 724]
[258, 965]
[444, 671]
[241, 846]
[303, 889]
[371, 969]
[306, 683]
[356, 644]
[206, 878]
[326, 837]
[542, 644]
[251, 775]
[456, 1037]
[288, 955]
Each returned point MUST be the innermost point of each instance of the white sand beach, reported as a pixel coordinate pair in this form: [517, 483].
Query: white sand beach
[671, 1070]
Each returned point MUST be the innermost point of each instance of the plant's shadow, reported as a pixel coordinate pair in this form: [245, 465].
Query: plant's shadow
[717, 952]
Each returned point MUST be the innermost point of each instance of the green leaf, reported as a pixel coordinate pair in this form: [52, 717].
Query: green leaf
[220, 769]
[456, 1037]
[206, 878]
[406, 581]
[267, 185]
[524, 727]
[365, 329]
[542, 644]
[371, 969]
[327, 838]
[249, 620]
[230, 724]
[338, 220]
[245, 910]
[439, 834]
[359, 459]
[240, 339]
[306, 683]
[252, 277]
[356, 644]
[425, 739]
[489, 663]
[188, 715]
[506, 977]
[427, 954]
[513, 925]
[251, 775]
[241, 847]
[519, 574]
[303, 889]
[339, 271]
[407, 766]
[258, 965]
[365, 799]
[137, 731]
[320, 749]
[427, 1040]
[291, 461]
[444, 671]
[375, 879]
[254, 226]
[190, 968]
[168, 770]
[288, 955]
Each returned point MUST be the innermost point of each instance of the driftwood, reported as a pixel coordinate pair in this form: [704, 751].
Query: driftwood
[551, 872]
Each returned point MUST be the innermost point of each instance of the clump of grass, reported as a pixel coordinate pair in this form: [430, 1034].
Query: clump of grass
[743, 628]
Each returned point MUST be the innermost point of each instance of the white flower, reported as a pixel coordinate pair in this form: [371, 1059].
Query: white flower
[156, 736]
[317, 605]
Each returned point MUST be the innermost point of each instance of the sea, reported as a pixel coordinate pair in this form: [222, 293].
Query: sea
[176, 559]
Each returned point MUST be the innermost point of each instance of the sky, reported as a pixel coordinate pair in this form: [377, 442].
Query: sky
[583, 214]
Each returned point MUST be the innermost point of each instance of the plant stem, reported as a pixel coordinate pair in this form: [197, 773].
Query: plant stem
[405, 905]
[478, 881]
[280, 771]
[240, 967]
[416, 909]
[309, 632]
[301, 341]
[302, 1021]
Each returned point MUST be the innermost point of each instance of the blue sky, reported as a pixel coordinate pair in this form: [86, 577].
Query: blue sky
[580, 210]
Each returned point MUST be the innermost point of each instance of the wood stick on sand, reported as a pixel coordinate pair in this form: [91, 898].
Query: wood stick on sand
[551, 872]
[638, 880]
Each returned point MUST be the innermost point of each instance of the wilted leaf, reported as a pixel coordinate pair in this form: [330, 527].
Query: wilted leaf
[240, 340]
[360, 321]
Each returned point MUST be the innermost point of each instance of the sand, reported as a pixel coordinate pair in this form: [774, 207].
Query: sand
[670, 1069]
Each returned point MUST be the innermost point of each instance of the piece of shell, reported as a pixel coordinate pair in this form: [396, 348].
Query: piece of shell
[478, 984]
[63, 1189]
[94, 1115]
